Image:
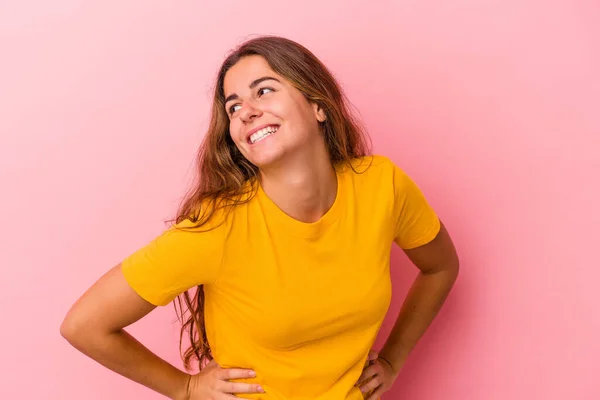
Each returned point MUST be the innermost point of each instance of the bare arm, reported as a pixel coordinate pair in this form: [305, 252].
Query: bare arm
[438, 264]
[95, 326]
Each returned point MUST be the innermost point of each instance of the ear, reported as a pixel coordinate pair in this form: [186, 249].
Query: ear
[319, 112]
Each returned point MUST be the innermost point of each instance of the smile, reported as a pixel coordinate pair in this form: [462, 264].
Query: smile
[263, 133]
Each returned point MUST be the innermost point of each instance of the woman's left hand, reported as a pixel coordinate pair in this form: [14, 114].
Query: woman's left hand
[377, 377]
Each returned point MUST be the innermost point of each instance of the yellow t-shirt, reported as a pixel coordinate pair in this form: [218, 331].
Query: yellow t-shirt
[299, 303]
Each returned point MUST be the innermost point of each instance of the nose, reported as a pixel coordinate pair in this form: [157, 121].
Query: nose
[249, 112]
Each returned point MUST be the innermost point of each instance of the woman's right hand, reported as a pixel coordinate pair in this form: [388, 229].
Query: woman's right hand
[212, 383]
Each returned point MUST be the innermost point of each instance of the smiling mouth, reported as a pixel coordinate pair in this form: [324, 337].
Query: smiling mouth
[263, 133]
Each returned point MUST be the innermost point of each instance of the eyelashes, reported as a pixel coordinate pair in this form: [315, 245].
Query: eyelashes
[260, 92]
[263, 88]
[232, 108]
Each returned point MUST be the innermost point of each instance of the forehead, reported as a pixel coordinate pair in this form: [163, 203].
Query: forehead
[240, 76]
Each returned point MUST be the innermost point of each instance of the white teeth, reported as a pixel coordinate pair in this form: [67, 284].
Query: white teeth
[263, 133]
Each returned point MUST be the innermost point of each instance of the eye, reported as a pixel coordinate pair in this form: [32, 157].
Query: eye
[233, 109]
[261, 91]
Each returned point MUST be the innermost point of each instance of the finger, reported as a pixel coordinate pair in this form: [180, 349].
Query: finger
[367, 373]
[373, 355]
[376, 394]
[240, 387]
[235, 373]
[371, 385]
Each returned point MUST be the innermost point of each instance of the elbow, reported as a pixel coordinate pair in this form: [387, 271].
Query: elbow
[456, 263]
[450, 270]
[73, 329]
[453, 267]
[81, 330]
[68, 329]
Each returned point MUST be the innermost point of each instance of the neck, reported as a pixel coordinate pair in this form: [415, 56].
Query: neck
[303, 189]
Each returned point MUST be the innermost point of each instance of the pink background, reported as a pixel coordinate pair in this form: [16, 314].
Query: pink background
[492, 106]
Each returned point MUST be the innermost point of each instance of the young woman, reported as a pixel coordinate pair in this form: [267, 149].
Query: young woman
[287, 238]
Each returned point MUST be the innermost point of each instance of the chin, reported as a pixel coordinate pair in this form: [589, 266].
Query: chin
[264, 162]
[265, 159]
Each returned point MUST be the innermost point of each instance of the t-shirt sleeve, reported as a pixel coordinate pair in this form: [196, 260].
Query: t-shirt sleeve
[416, 221]
[175, 261]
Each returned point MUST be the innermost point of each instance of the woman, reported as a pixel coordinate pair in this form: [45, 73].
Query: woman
[287, 237]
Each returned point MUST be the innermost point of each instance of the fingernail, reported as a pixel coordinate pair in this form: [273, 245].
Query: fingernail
[252, 373]
[261, 389]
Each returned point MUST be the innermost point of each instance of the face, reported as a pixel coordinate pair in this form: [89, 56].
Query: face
[269, 119]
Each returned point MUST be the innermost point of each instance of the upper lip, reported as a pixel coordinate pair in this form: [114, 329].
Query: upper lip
[258, 128]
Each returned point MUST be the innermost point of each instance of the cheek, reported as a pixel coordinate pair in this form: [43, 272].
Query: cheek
[302, 110]
[297, 116]
[283, 106]
[234, 129]
[275, 107]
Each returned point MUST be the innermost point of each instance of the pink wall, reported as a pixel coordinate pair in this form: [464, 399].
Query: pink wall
[492, 106]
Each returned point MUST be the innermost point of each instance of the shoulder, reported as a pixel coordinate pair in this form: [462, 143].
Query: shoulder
[378, 175]
[372, 168]
[370, 178]
[211, 216]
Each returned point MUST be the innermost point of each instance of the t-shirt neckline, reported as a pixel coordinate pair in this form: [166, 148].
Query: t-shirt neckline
[305, 229]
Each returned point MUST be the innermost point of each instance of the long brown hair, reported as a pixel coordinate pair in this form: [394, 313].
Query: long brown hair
[223, 171]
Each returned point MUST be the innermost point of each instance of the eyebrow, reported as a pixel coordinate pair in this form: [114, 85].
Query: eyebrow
[252, 86]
